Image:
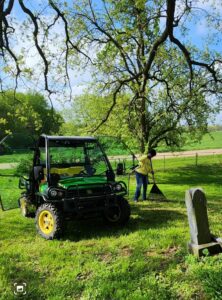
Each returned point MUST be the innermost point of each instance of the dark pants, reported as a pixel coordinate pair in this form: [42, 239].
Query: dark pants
[141, 180]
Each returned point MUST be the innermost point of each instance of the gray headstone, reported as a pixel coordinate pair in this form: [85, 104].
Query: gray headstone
[197, 216]
[201, 238]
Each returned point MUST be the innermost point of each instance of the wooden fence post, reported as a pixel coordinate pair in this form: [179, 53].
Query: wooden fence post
[196, 159]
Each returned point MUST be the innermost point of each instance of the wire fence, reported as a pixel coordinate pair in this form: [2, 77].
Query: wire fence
[193, 159]
[164, 162]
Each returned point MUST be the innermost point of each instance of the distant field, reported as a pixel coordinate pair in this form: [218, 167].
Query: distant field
[209, 141]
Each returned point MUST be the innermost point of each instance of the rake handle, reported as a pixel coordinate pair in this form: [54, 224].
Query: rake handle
[152, 172]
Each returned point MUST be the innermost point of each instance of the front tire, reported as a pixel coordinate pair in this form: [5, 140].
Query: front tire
[118, 214]
[48, 221]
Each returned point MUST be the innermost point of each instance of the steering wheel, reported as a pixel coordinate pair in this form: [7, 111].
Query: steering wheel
[83, 173]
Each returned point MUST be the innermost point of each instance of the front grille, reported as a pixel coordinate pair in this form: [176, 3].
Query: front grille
[90, 191]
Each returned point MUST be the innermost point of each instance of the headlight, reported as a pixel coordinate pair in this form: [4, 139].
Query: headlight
[118, 187]
[60, 194]
[53, 193]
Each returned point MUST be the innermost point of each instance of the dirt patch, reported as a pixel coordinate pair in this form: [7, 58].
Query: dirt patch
[170, 251]
[125, 251]
[161, 155]
[190, 153]
[105, 257]
[84, 275]
[151, 253]
[4, 166]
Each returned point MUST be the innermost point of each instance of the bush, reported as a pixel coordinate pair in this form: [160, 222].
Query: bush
[24, 167]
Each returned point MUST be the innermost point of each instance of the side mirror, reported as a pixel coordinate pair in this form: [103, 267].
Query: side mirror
[120, 169]
[24, 183]
[38, 173]
[21, 183]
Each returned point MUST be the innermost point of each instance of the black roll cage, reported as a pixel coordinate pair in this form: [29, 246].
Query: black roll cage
[44, 140]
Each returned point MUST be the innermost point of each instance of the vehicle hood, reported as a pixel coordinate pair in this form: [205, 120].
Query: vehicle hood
[81, 181]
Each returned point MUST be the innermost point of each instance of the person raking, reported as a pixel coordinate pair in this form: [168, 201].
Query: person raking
[141, 172]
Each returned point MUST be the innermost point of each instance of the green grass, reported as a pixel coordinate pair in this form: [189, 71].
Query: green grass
[147, 259]
[15, 157]
[212, 140]
[9, 191]
[209, 141]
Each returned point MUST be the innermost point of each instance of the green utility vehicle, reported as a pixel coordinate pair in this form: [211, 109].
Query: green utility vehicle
[71, 176]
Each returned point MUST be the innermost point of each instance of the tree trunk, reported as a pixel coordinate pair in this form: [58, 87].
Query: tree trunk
[142, 146]
[143, 123]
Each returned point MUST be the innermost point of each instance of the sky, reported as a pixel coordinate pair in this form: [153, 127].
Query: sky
[198, 33]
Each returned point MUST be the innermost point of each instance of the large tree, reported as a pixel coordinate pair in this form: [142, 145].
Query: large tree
[136, 52]
[26, 115]
[85, 114]
[137, 47]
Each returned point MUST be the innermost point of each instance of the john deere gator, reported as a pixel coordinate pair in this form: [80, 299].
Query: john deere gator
[71, 176]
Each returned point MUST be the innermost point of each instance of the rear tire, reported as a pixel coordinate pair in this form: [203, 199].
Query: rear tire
[118, 214]
[24, 208]
[48, 221]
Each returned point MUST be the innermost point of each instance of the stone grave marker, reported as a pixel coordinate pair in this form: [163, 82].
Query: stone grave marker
[201, 238]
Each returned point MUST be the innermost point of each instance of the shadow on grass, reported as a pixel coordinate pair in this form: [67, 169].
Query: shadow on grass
[142, 218]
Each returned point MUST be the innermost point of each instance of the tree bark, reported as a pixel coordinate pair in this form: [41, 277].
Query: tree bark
[143, 122]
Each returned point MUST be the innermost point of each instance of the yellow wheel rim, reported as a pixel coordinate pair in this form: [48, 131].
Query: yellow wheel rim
[23, 206]
[46, 222]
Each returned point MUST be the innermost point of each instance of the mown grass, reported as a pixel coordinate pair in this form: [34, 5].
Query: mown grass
[15, 157]
[147, 259]
[210, 140]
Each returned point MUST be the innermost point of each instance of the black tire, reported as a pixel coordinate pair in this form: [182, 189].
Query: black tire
[24, 208]
[48, 221]
[118, 214]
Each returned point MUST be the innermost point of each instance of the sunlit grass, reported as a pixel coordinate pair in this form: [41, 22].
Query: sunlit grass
[212, 140]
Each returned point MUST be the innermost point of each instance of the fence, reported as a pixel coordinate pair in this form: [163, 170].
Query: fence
[186, 159]
[165, 161]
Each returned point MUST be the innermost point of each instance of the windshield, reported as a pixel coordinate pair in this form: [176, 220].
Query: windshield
[70, 158]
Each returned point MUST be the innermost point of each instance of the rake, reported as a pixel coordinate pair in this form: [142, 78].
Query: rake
[155, 192]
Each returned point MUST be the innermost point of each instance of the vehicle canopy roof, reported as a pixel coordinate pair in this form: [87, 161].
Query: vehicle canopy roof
[73, 139]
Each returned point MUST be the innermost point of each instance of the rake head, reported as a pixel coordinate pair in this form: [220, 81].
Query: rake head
[156, 193]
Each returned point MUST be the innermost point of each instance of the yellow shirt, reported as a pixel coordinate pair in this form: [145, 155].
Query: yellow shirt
[144, 165]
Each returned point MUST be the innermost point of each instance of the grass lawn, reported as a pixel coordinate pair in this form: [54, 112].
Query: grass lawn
[147, 259]
[15, 157]
[209, 141]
